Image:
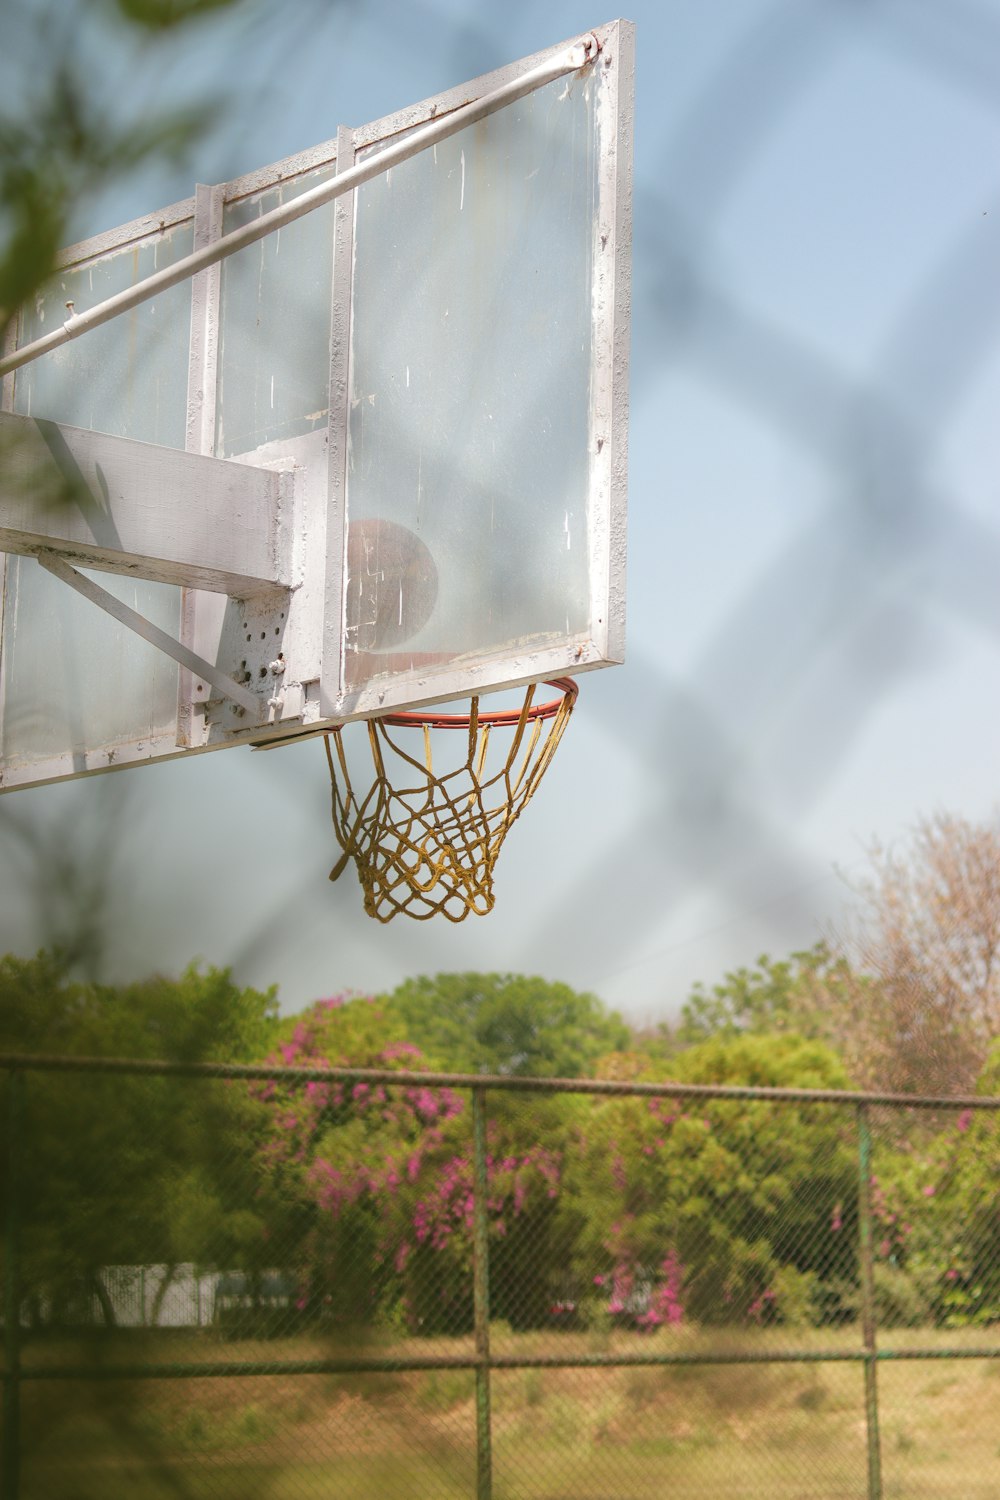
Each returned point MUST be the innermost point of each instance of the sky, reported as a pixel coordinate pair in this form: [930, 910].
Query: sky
[813, 619]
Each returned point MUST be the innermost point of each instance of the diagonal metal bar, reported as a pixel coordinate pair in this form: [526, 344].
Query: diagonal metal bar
[151, 633]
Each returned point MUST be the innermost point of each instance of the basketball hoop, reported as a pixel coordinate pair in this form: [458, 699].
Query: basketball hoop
[426, 841]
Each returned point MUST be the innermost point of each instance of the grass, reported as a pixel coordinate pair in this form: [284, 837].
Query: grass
[761, 1430]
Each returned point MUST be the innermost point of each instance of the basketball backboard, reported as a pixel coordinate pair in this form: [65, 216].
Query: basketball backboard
[374, 459]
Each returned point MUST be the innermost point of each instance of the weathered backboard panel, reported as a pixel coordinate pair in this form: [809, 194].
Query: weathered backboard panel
[434, 366]
[75, 687]
[472, 346]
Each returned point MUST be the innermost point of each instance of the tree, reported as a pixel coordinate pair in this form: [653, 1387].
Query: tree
[927, 935]
[802, 994]
[125, 1169]
[936, 1213]
[506, 1023]
[722, 1210]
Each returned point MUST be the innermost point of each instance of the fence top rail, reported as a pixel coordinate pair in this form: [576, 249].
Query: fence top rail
[12, 1062]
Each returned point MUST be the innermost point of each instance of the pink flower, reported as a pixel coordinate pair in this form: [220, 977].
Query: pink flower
[399, 1049]
[930, 1190]
[964, 1120]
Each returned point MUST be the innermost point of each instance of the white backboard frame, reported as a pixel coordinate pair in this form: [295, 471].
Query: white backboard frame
[310, 691]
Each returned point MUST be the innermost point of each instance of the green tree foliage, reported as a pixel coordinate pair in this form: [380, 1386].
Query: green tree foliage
[506, 1023]
[803, 994]
[117, 1169]
[725, 1206]
[937, 1215]
[201, 1017]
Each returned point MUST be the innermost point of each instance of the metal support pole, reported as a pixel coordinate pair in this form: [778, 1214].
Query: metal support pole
[481, 1299]
[867, 1277]
[10, 1472]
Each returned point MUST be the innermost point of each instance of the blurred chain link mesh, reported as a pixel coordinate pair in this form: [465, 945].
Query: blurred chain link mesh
[735, 743]
[682, 1291]
[230, 1282]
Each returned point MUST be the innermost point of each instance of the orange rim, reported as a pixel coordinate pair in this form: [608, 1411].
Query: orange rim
[432, 719]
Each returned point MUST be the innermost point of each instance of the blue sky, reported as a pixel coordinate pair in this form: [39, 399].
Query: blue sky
[813, 625]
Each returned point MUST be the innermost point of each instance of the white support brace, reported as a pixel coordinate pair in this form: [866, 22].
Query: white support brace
[152, 633]
[121, 506]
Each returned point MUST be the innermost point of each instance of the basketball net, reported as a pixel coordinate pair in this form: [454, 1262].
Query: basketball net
[425, 841]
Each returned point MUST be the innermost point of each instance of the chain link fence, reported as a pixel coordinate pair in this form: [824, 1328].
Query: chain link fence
[257, 1281]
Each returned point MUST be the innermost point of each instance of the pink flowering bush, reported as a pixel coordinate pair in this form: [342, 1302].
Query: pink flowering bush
[522, 1201]
[347, 1155]
[379, 1179]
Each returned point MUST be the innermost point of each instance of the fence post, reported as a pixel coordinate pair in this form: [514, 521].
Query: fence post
[867, 1275]
[481, 1298]
[10, 1474]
